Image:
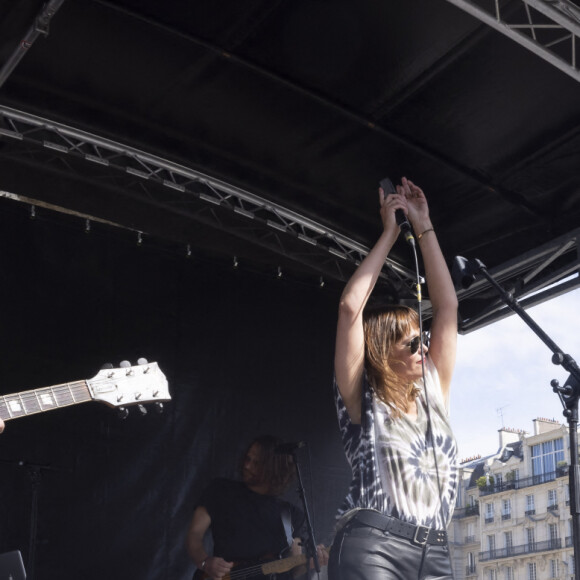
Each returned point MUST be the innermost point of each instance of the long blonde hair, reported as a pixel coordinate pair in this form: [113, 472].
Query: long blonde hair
[383, 327]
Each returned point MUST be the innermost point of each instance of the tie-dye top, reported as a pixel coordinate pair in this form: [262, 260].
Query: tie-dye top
[392, 460]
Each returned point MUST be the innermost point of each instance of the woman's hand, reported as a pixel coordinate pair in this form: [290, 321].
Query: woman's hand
[417, 207]
[389, 204]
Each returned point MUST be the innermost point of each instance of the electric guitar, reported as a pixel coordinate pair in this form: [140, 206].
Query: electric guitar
[265, 569]
[116, 387]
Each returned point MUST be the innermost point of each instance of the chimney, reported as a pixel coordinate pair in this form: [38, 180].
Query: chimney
[543, 425]
[508, 435]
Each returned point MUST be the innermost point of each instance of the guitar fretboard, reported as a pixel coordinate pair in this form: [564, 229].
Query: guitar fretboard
[45, 399]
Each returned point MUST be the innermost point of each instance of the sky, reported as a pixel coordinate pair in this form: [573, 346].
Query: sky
[503, 373]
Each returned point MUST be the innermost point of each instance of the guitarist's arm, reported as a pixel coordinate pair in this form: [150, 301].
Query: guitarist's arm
[212, 567]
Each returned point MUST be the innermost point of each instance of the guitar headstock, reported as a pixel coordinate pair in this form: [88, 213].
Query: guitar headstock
[130, 385]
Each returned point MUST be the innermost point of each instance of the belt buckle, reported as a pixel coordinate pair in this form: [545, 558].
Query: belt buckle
[417, 531]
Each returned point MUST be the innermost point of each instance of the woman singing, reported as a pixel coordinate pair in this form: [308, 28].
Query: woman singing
[392, 398]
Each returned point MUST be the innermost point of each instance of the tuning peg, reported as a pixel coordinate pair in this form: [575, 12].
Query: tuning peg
[124, 364]
[142, 361]
[123, 412]
[159, 408]
[106, 367]
[142, 410]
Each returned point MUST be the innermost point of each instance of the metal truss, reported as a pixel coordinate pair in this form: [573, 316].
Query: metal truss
[182, 184]
[539, 275]
[41, 26]
[548, 28]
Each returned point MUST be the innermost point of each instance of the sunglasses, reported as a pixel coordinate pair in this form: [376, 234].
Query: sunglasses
[416, 342]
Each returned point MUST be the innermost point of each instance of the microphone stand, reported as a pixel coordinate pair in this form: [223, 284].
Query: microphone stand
[311, 542]
[35, 473]
[568, 394]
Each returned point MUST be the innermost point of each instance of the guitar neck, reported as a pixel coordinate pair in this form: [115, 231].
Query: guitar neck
[45, 399]
[279, 566]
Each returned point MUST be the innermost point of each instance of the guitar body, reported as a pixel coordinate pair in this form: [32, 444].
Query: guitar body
[245, 571]
[237, 569]
[238, 572]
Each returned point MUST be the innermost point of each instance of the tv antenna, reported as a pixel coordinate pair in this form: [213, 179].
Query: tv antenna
[499, 411]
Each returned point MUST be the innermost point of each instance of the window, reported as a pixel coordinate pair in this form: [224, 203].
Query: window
[470, 537]
[553, 535]
[554, 568]
[509, 573]
[488, 513]
[493, 574]
[506, 510]
[470, 563]
[552, 499]
[530, 507]
[516, 474]
[491, 546]
[507, 542]
[545, 457]
[532, 571]
[531, 539]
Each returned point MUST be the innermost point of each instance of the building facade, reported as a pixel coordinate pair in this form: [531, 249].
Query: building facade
[512, 518]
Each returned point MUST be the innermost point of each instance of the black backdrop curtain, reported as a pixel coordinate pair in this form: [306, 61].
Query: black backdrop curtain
[245, 354]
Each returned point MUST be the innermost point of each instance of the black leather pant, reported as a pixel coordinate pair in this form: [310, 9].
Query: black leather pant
[360, 552]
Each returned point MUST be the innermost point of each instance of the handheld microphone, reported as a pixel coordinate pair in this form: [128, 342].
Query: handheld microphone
[287, 448]
[400, 216]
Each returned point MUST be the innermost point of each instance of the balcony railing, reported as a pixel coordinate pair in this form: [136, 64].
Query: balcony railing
[530, 512]
[554, 544]
[553, 506]
[469, 539]
[524, 481]
[470, 510]
[470, 570]
[506, 516]
[488, 519]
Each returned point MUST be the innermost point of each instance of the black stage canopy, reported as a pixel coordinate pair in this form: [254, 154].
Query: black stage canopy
[260, 129]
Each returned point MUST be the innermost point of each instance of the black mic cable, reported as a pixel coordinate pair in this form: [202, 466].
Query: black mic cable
[429, 434]
[405, 227]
